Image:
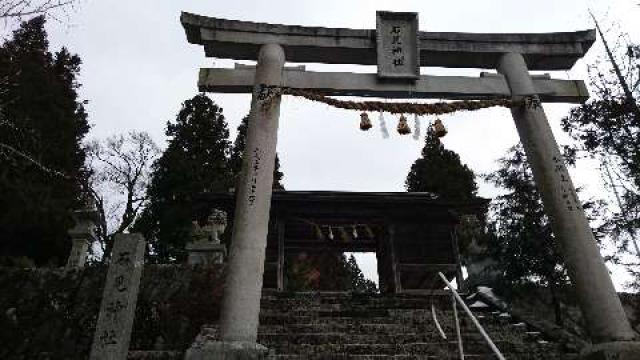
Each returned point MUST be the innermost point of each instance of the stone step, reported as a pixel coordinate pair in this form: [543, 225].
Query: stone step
[155, 355]
[366, 357]
[357, 338]
[441, 348]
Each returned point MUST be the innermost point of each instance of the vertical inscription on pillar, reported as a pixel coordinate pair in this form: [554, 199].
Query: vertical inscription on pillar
[397, 45]
[569, 195]
[117, 310]
[253, 176]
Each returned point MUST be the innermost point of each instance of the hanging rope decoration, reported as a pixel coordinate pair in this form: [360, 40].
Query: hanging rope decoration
[266, 93]
[438, 128]
[383, 126]
[416, 127]
[365, 123]
[403, 126]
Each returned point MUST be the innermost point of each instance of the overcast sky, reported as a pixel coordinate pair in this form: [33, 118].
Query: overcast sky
[138, 68]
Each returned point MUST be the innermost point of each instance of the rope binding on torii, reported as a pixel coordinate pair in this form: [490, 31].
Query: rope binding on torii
[267, 92]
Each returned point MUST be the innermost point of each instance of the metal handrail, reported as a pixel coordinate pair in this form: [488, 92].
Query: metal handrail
[457, 321]
[475, 321]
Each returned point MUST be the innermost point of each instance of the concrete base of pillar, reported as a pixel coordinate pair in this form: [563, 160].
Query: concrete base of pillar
[619, 350]
[209, 350]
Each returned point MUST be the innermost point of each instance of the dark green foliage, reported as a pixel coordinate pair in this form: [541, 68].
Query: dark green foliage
[195, 162]
[328, 271]
[439, 171]
[520, 237]
[236, 156]
[42, 124]
[51, 314]
[358, 283]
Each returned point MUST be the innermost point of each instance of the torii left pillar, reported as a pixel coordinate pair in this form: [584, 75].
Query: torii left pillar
[239, 317]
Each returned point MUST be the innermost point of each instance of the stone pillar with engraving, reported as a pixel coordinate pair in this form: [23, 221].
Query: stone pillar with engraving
[205, 248]
[605, 318]
[82, 235]
[118, 307]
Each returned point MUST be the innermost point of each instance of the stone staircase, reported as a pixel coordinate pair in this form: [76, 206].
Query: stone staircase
[357, 326]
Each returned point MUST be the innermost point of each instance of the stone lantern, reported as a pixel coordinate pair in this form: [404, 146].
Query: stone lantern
[82, 234]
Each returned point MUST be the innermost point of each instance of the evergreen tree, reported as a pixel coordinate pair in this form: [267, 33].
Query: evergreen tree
[358, 283]
[238, 149]
[520, 237]
[42, 124]
[439, 171]
[195, 162]
[326, 271]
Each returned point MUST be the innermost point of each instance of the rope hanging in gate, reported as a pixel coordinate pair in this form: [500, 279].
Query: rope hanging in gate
[266, 93]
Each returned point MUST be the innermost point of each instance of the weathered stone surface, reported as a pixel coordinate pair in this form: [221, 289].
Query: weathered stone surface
[625, 350]
[243, 285]
[397, 45]
[240, 80]
[117, 310]
[205, 349]
[205, 247]
[241, 40]
[82, 234]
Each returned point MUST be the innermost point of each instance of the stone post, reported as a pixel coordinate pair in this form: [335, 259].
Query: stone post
[599, 302]
[243, 283]
[82, 235]
[118, 306]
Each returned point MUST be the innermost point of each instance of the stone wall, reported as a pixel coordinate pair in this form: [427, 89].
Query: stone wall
[51, 314]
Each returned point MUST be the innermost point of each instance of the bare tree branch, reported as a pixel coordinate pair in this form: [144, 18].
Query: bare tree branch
[19, 9]
[120, 172]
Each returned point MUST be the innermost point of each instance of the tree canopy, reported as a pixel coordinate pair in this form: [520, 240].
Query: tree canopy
[440, 171]
[195, 162]
[42, 124]
[520, 238]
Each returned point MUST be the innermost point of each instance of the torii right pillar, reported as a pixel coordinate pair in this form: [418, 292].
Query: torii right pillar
[607, 323]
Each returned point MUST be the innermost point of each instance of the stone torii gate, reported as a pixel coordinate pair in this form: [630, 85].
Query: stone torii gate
[399, 50]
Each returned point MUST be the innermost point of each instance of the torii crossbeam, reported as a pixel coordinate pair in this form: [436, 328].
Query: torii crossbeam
[399, 50]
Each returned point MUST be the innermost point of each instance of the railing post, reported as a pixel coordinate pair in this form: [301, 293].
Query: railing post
[457, 323]
[472, 317]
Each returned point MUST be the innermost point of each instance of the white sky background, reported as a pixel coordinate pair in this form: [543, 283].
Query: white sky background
[138, 67]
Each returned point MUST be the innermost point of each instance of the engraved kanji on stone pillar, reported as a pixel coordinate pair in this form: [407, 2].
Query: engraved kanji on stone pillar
[117, 310]
[205, 247]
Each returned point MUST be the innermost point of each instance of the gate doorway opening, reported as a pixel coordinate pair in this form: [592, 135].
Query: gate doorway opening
[410, 235]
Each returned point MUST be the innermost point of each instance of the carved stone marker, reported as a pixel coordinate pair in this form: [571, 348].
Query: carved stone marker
[82, 234]
[117, 310]
[205, 247]
[397, 45]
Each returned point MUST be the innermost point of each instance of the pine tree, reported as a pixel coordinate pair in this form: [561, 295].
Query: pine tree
[195, 162]
[440, 171]
[238, 149]
[42, 125]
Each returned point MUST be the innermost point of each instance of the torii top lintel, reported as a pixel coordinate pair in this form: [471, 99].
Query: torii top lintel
[241, 40]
